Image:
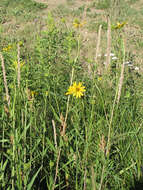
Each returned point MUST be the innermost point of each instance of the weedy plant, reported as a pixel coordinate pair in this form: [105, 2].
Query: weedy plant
[60, 127]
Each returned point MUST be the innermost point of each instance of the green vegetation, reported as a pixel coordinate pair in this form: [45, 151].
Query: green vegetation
[18, 8]
[58, 134]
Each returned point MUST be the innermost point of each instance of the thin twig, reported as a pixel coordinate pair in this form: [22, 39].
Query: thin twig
[4, 78]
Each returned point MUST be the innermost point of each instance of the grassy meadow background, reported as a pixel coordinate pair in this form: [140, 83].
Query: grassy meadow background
[55, 141]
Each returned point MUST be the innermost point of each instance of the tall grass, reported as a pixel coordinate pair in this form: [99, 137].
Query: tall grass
[53, 141]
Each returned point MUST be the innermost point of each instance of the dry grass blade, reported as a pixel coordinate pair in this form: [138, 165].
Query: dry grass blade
[4, 78]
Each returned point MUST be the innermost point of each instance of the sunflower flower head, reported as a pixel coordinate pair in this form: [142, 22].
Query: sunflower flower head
[78, 24]
[15, 63]
[76, 90]
[119, 25]
[6, 49]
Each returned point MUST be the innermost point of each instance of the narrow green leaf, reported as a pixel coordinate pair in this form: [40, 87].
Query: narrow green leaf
[33, 179]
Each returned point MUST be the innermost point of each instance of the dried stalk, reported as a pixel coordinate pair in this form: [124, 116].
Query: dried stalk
[93, 178]
[85, 176]
[102, 177]
[120, 83]
[98, 42]
[57, 168]
[122, 76]
[4, 78]
[55, 135]
[97, 49]
[108, 43]
[63, 126]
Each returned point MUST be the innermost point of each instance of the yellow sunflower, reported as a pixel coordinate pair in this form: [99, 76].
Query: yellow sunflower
[78, 24]
[7, 48]
[119, 25]
[76, 90]
[15, 63]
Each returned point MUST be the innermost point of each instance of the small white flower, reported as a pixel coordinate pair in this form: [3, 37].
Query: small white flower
[114, 58]
[128, 63]
[112, 54]
[137, 68]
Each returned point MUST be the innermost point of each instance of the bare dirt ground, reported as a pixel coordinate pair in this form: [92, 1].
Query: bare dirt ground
[132, 32]
[52, 3]
[71, 9]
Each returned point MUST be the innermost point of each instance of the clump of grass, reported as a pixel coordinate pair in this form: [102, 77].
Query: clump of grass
[90, 139]
[103, 4]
